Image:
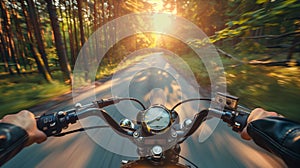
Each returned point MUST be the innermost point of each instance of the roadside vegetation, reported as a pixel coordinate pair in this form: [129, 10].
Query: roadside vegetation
[259, 41]
[22, 92]
[271, 87]
[27, 90]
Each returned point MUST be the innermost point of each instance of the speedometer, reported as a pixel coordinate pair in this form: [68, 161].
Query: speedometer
[156, 119]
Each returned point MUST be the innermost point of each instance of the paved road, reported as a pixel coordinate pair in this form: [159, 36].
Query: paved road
[152, 80]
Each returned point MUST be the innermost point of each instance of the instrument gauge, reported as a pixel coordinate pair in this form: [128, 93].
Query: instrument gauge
[157, 119]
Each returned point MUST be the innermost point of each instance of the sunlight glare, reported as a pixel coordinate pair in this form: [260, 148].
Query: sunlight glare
[157, 5]
[161, 22]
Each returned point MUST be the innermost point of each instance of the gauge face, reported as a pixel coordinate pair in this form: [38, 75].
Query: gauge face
[157, 119]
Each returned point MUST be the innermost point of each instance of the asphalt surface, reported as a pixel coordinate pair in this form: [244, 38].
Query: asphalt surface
[152, 80]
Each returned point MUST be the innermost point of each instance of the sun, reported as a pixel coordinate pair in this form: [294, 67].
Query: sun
[157, 5]
[160, 17]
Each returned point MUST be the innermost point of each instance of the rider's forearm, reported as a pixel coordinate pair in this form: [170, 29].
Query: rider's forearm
[12, 140]
[279, 136]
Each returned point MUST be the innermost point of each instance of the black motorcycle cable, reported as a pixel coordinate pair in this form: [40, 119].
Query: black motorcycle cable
[114, 100]
[188, 100]
[133, 99]
[188, 161]
[80, 130]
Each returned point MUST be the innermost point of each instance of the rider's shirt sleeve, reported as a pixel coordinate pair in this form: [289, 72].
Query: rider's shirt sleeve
[278, 135]
[12, 140]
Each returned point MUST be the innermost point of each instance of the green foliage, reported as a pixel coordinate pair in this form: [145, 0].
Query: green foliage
[231, 20]
[107, 68]
[273, 88]
[246, 46]
[192, 63]
[21, 92]
[262, 1]
[52, 56]
[207, 15]
[267, 17]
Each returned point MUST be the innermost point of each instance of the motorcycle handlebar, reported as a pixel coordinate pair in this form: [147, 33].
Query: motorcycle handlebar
[52, 124]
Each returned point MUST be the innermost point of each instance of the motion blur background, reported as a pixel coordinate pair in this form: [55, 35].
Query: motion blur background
[257, 40]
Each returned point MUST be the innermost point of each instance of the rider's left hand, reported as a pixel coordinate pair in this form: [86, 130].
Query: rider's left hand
[25, 119]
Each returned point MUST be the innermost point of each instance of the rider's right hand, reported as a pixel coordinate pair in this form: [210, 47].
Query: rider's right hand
[256, 114]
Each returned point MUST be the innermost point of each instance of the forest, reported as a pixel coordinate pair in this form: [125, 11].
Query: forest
[258, 40]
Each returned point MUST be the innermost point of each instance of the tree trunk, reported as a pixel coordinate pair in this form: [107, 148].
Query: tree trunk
[104, 30]
[20, 38]
[75, 30]
[37, 33]
[7, 30]
[5, 55]
[296, 42]
[70, 31]
[60, 48]
[63, 28]
[95, 14]
[37, 57]
[82, 38]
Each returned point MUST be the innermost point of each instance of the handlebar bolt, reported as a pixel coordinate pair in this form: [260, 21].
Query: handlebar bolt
[61, 114]
[126, 123]
[78, 105]
[174, 134]
[187, 123]
[140, 139]
[136, 135]
[157, 151]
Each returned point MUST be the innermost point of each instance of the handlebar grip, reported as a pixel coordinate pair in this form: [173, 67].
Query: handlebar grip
[236, 119]
[48, 124]
[53, 124]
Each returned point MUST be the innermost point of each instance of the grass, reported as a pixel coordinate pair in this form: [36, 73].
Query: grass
[22, 92]
[194, 64]
[273, 88]
[107, 69]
